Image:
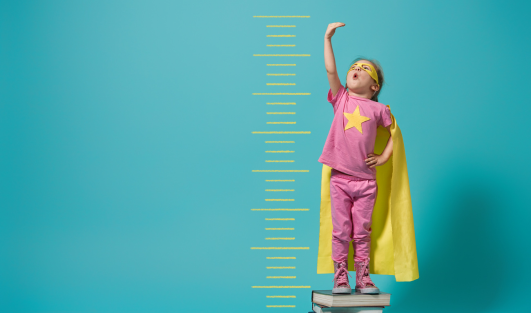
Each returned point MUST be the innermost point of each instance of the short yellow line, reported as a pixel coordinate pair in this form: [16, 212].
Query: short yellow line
[280, 248]
[280, 84]
[280, 112]
[281, 36]
[282, 132]
[279, 161]
[279, 267]
[280, 45]
[281, 74]
[280, 238]
[281, 151]
[281, 93]
[282, 16]
[279, 199]
[281, 171]
[280, 190]
[281, 26]
[281, 277]
[280, 142]
[281, 258]
[280, 209]
[280, 229]
[280, 306]
[281, 64]
[280, 219]
[288, 123]
[280, 296]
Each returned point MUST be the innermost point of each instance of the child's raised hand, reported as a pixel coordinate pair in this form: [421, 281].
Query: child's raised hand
[375, 160]
[330, 31]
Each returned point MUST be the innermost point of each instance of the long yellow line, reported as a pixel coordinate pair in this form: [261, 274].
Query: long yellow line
[279, 267]
[281, 16]
[280, 296]
[280, 219]
[282, 103]
[280, 45]
[281, 151]
[280, 248]
[279, 161]
[281, 171]
[282, 132]
[281, 26]
[281, 74]
[280, 190]
[280, 229]
[281, 55]
[280, 112]
[281, 258]
[281, 93]
[282, 277]
[281, 286]
[288, 123]
[279, 199]
[281, 36]
[280, 306]
[281, 238]
[280, 209]
[280, 84]
[281, 64]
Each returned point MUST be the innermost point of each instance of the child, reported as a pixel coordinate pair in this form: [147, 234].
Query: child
[349, 151]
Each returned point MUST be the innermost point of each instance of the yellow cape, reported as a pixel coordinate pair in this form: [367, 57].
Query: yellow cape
[393, 249]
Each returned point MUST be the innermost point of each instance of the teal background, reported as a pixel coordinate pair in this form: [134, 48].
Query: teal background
[126, 150]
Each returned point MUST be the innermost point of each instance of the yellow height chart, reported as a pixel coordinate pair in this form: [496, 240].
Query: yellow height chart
[279, 60]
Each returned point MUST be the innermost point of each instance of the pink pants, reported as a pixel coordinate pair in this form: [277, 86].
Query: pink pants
[353, 201]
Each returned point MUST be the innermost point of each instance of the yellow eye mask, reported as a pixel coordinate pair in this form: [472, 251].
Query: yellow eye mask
[372, 71]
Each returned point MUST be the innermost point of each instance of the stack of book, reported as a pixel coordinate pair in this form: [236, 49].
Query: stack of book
[325, 301]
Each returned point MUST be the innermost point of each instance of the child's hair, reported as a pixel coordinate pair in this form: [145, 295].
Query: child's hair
[379, 71]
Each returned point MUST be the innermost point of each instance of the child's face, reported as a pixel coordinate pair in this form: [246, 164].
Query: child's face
[359, 81]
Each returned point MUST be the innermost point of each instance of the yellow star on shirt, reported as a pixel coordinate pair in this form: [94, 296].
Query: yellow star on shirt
[355, 119]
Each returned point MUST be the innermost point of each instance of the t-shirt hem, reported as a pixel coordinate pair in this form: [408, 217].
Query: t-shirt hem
[346, 170]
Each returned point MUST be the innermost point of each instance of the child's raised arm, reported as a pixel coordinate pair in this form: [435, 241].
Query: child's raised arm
[330, 61]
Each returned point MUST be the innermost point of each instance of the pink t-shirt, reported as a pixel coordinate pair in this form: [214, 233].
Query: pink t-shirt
[346, 149]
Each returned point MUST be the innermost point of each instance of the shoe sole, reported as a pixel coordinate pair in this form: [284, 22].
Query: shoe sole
[342, 290]
[372, 291]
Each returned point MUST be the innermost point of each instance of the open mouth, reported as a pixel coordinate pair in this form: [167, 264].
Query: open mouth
[355, 75]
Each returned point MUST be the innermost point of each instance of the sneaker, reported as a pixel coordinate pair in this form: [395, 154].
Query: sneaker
[364, 283]
[341, 278]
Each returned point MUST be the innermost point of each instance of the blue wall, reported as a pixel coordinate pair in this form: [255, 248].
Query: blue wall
[127, 151]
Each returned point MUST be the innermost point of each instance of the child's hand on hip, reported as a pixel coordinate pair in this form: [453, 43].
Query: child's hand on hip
[330, 31]
[376, 160]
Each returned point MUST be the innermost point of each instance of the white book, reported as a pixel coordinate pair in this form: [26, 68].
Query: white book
[327, 298]
[359, 309]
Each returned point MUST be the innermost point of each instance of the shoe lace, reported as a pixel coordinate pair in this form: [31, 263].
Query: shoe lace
[341, 276]
[364, 272]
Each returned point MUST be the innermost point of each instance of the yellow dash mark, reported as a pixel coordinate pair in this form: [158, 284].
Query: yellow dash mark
[280, 45]
[281, 93]
[280, 84]
[280, 142]
[280, 190]
[280, 219]
[280, 238]
[281, 171]
[280, 296]
[281, 16]
[280, 248]
[279, 267]
[279, 161]
[281, 123]
[281, 151]
[284, 132]
[280, 36]
[281, 26]
[281, 277]
[280, 258]
[280, 306]
[281, 103]
[280, 112]
[280, 209]
[280, 229]
[281, 74]
[279, 199]
[281, 64]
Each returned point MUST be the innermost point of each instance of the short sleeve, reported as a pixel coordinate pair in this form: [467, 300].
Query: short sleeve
[338, 98]
[385, 117]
